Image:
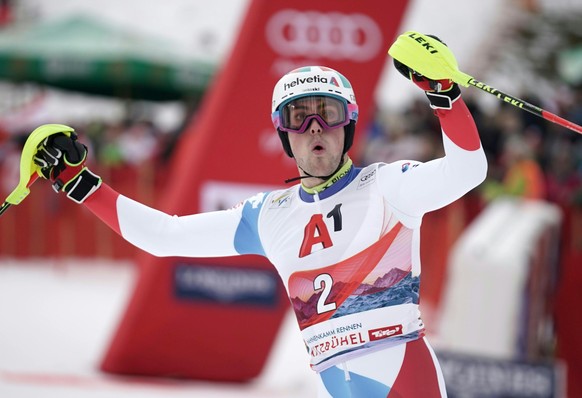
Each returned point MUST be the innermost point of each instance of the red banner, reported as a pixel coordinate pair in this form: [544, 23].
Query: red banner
[184, 319]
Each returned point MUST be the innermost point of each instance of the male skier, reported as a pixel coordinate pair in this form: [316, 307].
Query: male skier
[345, 240]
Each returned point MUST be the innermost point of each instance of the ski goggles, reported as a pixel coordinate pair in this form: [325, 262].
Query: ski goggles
[296, 115]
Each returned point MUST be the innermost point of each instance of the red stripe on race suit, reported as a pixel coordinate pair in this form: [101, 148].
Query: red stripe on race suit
[418, 375]
[459, 126]
[103, 203]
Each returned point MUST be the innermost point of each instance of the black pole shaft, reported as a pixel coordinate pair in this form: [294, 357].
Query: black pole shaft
[526, 106]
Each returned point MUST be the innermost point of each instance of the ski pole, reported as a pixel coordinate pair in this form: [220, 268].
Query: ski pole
[29, 171]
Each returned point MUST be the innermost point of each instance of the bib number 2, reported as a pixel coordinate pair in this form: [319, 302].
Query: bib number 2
[323, 281]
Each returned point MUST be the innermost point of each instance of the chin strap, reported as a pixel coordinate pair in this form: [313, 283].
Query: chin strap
[307, 175]
[330, 179]
[288, 180]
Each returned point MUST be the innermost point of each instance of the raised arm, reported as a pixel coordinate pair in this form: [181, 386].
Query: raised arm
[414, 188]
[213, 234]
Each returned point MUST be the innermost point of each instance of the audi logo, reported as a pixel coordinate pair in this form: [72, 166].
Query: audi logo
[331, 35]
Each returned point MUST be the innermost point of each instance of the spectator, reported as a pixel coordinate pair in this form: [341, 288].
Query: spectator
[138, 143]
[563, 182]
[522, 177]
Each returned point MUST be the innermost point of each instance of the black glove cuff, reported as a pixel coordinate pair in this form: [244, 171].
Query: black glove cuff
[444, 99]
[83, 186]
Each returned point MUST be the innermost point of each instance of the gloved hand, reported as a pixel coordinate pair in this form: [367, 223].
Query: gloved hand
[440, 93]
[62, 160]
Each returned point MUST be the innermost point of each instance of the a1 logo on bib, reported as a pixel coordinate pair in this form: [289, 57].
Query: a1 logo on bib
[316, 232]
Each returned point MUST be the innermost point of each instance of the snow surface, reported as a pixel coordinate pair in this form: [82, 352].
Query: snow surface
[56, 319]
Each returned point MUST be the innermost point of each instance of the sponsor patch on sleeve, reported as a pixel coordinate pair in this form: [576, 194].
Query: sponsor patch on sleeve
[408, 165]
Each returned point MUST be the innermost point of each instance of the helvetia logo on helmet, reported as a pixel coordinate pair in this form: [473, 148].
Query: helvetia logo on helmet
[299, 80]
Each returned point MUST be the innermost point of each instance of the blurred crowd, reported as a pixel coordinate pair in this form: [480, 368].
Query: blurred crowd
[528, 156]
[127, 145]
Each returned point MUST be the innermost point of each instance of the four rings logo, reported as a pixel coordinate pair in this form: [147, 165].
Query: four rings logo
[331, 35]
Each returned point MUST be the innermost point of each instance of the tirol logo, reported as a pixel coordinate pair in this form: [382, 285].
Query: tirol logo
[333, 35]
[385, 332]
[311, 79]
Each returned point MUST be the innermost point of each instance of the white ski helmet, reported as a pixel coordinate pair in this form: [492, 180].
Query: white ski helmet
[314, 81]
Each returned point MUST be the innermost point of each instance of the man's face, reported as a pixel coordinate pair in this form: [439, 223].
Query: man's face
[317, 151]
